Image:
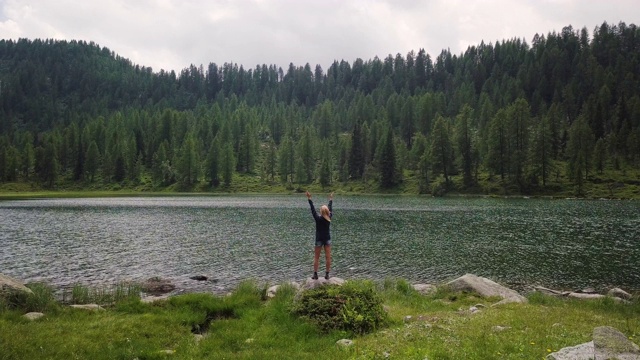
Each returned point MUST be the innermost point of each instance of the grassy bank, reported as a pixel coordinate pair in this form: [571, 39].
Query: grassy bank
[613, 184]
[245, 325]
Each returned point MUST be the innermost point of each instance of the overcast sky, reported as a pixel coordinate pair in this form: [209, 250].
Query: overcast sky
[172, 34]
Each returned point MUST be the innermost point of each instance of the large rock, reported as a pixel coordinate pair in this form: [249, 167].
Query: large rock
[485, 288]
[425, 289]
[312, 284]
[8, 284]
[271, 291]
[619, 293]
[157, 286]
[33, 315]
[579, 352]
[609, 343]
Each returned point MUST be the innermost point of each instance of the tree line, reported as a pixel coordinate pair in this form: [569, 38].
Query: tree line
[559, 109]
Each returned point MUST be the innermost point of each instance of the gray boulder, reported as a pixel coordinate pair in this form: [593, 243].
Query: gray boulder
[619, 293]
[486, 288]
[312, 284]
[151, 298]
[585, 296]
[33, 315]
[579, 352]
[8, 285]
[271, 291]
[425, 289]
[344, 342]
[157, 286]
[609, 343]
[90, 307]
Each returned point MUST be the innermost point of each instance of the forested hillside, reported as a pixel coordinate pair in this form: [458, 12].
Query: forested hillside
[512, 117]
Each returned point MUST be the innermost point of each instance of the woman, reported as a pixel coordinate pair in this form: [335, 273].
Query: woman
[323, 235]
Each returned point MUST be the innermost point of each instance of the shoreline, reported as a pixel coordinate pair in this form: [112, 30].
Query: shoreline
[64, 194]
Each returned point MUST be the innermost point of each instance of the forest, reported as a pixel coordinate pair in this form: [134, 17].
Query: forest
[512, 117]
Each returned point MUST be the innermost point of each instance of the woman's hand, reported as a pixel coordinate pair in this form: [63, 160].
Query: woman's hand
[331, 196]
[308, 195]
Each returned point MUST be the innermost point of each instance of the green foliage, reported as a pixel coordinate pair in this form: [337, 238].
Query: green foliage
[355, 307]
[522, 111]
[242, 325]
[81, 294]
[41, 299]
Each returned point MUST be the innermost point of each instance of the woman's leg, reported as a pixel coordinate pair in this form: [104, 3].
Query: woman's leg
[327, 254]
[316, 258]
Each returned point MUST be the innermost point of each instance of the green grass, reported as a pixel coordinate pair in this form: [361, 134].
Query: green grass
[244, 325]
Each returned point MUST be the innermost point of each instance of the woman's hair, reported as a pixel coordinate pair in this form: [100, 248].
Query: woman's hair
[324, 211]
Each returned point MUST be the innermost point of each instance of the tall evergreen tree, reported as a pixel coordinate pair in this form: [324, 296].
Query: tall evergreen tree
[579, 150]
[356, 153]
[464, 142]
[388, 161]
[227, 164]
[286, 158]
[541, 150]
[92, 159]
[441, 151]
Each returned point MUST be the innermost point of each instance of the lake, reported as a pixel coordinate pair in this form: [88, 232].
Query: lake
[565, 244]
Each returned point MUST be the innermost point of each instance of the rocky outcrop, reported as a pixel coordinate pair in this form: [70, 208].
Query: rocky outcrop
[619, 293]
[9, 284]
[344, 342]
[579, 352]
[616, 294]
[271, 291]
[90, 307]
[608, 343]
[312, 284]
[151, 299]
[33, 315]
[157, 286]
[486, 288]
[199, 277]
[425, 289]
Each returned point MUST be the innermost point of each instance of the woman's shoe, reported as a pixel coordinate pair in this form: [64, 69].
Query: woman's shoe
[315, 276]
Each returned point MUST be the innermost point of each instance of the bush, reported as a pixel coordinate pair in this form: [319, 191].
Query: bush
[354, 307]
[41, 299]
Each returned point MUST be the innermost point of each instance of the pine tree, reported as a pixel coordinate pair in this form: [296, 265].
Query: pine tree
[388, 161]
[227, 164]
[356, 153]
[92, 159]
[497, 159]
[579, 149]
[213, 163]
[286, 158]
[541, 150]
[441, 151]
[325, 166]
[464, 142]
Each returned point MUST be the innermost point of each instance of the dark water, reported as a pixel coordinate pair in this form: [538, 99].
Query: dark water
[568, 244]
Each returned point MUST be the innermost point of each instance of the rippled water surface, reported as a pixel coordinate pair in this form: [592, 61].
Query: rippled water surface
[555, 243]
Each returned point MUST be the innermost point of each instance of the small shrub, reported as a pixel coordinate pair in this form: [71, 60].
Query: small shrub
[81, 294]
[403, 287]
[353, 307]
[41, 299]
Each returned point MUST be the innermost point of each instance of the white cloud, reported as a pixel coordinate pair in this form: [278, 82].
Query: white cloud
[172, 34]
